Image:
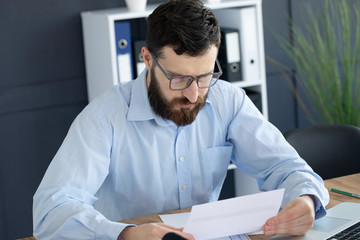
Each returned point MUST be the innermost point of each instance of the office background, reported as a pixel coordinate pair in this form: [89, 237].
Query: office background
[43, 88]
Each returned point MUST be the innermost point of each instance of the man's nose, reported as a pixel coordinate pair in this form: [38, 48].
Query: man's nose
[192, 92]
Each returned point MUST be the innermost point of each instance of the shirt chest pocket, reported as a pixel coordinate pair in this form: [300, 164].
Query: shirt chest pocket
[216, 162]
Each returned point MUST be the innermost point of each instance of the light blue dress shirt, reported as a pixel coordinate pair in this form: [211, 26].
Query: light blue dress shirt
[119, 160]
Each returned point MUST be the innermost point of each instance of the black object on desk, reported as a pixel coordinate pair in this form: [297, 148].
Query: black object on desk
[172, 236]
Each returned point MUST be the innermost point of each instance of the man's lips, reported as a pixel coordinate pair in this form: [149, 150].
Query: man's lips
[186, 105]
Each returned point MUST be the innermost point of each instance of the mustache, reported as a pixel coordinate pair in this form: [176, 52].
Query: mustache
[185, 101]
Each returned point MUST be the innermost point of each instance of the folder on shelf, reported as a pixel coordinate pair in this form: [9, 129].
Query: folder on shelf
[139, 63]
[123, 51]
[249, 43]
[229, 55]
[246, 21]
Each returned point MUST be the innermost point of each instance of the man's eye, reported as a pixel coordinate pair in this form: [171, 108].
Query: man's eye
[187, 79]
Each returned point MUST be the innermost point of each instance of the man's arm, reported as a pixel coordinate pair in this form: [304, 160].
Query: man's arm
[262, 152]
[71, 220]
[63, 203]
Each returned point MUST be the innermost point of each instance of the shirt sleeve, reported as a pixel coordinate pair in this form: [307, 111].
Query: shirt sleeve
[320, 210]
[262, 152]
[63, 203]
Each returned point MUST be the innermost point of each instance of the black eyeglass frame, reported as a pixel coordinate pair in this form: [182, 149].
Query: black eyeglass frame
[170, 78]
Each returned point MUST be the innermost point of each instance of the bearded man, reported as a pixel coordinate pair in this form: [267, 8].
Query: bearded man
[164, 141]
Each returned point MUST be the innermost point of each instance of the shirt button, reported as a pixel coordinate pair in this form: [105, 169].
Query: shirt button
[184, 187]
[182, 159]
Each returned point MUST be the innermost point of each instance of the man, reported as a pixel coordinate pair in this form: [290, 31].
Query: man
[164, 141]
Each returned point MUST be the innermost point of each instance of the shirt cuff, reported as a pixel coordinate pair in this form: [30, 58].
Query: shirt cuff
[320, 211]
[110, 230]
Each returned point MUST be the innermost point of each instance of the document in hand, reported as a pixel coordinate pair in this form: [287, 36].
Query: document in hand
[233, 216]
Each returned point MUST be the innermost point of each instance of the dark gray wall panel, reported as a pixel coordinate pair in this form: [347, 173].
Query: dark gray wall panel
[42, 40]
[32, 139]
[276, 23]
[42, 95]
[281, 103]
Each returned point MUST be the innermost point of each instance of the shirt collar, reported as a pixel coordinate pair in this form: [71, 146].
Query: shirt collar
[139, 108]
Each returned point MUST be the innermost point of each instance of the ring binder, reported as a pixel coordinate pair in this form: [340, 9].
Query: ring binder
[123, 51]
[245, 20]
[229, 55]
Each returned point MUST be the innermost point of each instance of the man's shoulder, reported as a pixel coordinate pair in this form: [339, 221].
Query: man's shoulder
[225, 90]
[115, 98]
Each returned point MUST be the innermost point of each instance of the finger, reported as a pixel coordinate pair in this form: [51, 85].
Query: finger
[290, 215]
[283, 217]
[170, 227]
[293, 219]
[294, 227]
[299, 210]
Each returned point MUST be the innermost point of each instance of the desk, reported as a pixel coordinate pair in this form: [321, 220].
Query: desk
[349, 183]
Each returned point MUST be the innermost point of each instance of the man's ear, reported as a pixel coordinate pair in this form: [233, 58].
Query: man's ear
[147, 57]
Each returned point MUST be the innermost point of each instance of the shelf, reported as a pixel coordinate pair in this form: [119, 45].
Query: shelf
[244, 84]
[101, 56]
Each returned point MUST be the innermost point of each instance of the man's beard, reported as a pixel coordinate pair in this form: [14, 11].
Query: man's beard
[166, 110]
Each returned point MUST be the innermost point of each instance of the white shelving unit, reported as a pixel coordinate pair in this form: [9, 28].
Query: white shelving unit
[101, 63]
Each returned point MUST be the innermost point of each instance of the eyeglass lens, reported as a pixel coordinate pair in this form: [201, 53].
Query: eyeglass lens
[180, 82]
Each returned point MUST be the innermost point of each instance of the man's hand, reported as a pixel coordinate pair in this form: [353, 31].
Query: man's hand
[151, 231]
[296, 218]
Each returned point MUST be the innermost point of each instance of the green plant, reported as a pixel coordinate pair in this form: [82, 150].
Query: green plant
[326, 55]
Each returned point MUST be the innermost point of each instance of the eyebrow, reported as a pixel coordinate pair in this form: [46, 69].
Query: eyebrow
[178, 74]
[172, 73]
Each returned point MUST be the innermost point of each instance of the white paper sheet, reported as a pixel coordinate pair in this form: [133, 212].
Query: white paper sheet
[233, 216]
[179, 220]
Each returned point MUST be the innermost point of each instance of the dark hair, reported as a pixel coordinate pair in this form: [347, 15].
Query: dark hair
[185, 25]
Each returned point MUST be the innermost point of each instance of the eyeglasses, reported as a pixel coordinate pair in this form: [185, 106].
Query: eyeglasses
[181, 82]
